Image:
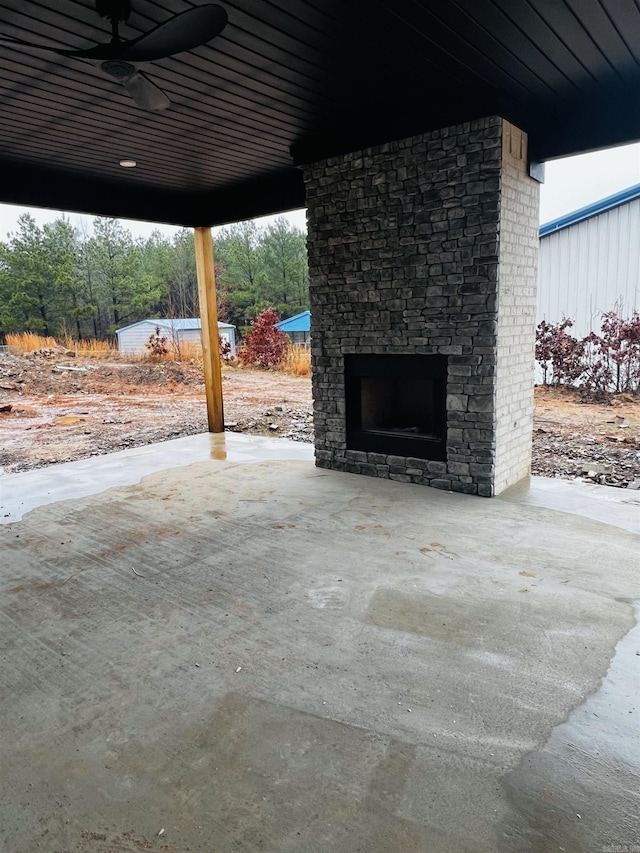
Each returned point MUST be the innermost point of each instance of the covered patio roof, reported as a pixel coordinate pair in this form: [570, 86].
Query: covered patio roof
[291, 81]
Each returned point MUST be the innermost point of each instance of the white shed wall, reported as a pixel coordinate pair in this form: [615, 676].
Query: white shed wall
[132, 341]
[191, 336]
[194, 336]
[591, 267]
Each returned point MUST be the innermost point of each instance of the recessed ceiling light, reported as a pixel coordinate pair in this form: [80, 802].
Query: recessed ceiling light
[128, 164]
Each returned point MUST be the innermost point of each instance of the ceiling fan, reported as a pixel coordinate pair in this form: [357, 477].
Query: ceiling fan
[182, 32]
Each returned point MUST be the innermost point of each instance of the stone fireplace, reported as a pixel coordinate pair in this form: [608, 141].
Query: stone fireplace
[422, 257]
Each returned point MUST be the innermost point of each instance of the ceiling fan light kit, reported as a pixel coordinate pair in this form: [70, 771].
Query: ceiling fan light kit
[122, 71]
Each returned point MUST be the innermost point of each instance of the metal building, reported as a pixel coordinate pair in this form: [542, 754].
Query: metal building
[132, 338]
[297, 328]
[589, 262]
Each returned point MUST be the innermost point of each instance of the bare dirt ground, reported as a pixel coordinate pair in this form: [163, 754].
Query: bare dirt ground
[57, 409]
[596, 442]
[55, 412]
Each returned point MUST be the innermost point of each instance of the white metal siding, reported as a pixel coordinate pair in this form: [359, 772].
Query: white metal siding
[132, 341]
[591, 267]
[191, 336]
[194, 336]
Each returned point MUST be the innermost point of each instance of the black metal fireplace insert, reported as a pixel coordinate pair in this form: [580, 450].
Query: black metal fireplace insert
[396, 404]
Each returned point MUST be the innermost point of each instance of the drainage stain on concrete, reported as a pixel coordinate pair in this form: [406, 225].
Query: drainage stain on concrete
[261, 775]
[572, 794]
[499, 624]
[253, 775]
[432, 616]
[276, 773]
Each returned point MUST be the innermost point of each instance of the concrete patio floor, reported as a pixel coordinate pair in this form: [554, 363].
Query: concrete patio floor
[246, 653]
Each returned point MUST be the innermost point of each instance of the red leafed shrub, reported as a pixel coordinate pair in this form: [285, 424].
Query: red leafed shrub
[559, 353]
[620, 345]
[158, 344]
[265, 346]
[600, 364]
[596, 376]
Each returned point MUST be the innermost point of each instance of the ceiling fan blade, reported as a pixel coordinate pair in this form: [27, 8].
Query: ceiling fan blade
[183, 32]
[145, 93]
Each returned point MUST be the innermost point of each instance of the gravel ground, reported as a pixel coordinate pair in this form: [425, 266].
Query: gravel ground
[597, 443]
[57, 409]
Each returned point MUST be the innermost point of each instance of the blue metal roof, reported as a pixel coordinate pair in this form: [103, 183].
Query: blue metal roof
[177, 325]
[298, 323]
[594, 209]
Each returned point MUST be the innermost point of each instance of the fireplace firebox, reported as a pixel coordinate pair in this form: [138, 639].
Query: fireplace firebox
[396, 404]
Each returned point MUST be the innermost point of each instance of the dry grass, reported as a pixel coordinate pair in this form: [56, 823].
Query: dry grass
[298, 361]
[90, 349]
[19, 344]
[187, 351]
[146, 357]
[24, 342]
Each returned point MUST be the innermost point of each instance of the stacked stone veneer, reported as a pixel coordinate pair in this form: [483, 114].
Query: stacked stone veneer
[428, 245]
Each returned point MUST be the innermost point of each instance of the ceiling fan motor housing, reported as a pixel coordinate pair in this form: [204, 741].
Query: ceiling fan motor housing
[114, 10]
[122, 71]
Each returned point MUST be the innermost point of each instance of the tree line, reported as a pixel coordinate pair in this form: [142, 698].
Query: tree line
[86, 282]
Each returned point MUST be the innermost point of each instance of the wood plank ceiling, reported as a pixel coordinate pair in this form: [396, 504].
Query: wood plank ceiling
[291, 81]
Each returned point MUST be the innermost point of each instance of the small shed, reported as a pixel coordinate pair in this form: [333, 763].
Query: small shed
[297, 328]
[132, 339]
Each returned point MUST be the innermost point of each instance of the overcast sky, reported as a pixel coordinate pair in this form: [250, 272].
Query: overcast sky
[569, 184]
[576, 181]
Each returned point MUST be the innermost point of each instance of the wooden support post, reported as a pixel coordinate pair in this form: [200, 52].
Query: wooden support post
[209, 319]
